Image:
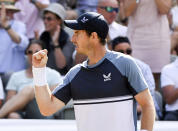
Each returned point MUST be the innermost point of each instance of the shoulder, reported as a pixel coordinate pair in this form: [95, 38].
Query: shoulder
[18, 74]
[73, 71]
[18, 23]
[119, 26]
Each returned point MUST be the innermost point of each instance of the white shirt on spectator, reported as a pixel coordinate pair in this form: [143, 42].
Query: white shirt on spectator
[116, 30]
[174, 12]
[169, 77]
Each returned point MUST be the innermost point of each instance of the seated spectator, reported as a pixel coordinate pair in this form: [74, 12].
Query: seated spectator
[30, 14]
[21, 102]
[1, 93]
[56, 40]
[12, 38]
[122, 44]
[169, 84]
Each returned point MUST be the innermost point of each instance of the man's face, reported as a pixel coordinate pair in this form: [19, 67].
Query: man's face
[81, 41]
[51, 21]
[109, 10]
[123, 48]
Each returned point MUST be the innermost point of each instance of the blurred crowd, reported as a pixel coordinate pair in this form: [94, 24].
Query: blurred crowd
[145, 29]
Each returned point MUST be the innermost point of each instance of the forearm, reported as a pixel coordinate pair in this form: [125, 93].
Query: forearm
[129, 7]
[148, 117]
[60, 58]
[40, 6]
[172, 96]
[14, 104]
[14, 36]
[163, 6]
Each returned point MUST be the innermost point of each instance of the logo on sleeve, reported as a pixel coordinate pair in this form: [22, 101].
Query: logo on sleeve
[107, 77]
[84, 20]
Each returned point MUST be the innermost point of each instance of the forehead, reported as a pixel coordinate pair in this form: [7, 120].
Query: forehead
[122, 45]
[47, 13]
[112, 3]
[35, 46]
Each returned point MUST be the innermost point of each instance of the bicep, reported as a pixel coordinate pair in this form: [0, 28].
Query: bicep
[144, 98]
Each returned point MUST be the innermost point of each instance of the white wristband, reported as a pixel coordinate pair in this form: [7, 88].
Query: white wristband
[39, 76]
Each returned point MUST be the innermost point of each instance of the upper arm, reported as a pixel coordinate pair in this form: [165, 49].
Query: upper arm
[163, 6]
[129, 7]
[144, 98]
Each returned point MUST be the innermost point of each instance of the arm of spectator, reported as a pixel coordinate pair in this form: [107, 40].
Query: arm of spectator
[163, 6]
[170, 94]
[5, 24]
[10, 94]
[59, 56]
[40, 5]
[144, 99]
[128, 6]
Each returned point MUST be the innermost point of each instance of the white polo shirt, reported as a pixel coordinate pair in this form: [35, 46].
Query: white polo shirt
[169, 76]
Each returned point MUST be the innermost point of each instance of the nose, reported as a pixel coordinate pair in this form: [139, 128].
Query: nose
[73, 39]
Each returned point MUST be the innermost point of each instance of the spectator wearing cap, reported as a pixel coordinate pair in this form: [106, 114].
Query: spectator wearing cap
[13, 39]
[104, 88]
[148, 31]
[56, 40]
[30, 14]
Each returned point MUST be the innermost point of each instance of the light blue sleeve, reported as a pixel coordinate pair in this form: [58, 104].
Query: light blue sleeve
[12, 83]
[128, 67]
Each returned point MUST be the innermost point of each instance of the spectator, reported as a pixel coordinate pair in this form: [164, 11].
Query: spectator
[169, 84]
[122, 44]
[1, 93]
[148, 31]
[31, 15]
[56, 40]
[13, 39]
[20, 93]
[109, 9]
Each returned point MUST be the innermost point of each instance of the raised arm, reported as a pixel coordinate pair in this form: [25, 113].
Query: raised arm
[47, 103]
[163, 6]
[128, 7]
[145, 100]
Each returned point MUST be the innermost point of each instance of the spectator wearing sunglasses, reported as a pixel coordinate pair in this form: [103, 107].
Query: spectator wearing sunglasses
[56, 40]
[122, 44]
[148, 31]
[109, 9]
[20, 92]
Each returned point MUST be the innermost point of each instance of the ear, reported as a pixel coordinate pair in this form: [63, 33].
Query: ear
[94, 35]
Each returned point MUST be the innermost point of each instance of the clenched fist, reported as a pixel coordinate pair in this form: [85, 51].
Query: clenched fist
[40, 59]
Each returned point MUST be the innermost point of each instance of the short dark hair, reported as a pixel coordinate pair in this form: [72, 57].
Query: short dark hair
[102, 41]
[118, 40]
[34, 41]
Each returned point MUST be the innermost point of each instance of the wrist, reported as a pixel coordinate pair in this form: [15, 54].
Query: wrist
[7, 27]
[39, 76]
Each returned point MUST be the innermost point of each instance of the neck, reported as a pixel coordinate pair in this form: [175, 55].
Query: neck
[97, 54]
[29, 72]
